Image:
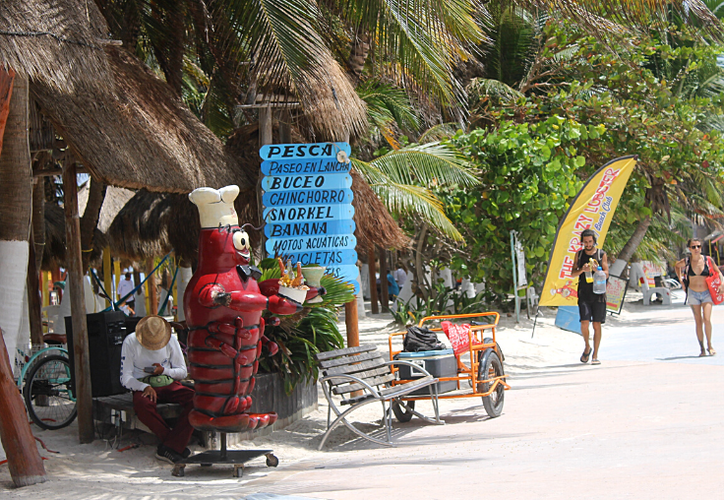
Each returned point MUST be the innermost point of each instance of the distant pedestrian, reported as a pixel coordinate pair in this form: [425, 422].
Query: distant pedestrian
[392, 289]
[401, 275]
[692, 272]
[124, 288]
[591, 306]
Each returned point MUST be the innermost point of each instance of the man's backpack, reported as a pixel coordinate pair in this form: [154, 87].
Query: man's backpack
[421, 339]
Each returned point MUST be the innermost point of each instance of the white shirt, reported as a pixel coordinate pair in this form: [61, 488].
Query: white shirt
[135, 357]
[400, 276]
[124, 288]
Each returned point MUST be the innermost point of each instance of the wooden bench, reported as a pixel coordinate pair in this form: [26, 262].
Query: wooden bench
[108, 408]
[357, 376]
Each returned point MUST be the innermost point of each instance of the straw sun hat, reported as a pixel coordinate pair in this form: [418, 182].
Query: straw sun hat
[153, 332]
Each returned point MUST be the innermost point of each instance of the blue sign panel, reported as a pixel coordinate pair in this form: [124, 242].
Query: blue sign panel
[308, 206]
[309, 228]
[310, 213]
[304, 166]
[289, 151]
[314, 181]
[279, 246]
[307, 197]
[329, 257]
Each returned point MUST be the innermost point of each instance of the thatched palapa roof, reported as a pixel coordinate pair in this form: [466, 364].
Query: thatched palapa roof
[139, 135]
[58, 43]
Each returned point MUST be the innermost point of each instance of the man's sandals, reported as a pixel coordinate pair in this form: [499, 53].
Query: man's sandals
[586, 355]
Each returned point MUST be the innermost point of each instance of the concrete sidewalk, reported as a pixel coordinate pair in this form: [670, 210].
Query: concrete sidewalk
[622, 430]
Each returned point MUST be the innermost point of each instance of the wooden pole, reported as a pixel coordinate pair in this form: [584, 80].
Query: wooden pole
[34, 301]
[383, 281]
[351, 321]
[108, 274]
[83, 390]
[266, 136]
[45, 276]
[373, 279]
[152, 295]
[26, 466]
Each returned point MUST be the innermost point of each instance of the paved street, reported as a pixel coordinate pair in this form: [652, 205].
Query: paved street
[647, 423]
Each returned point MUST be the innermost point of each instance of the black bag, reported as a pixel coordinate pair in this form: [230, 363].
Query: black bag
[421, 339]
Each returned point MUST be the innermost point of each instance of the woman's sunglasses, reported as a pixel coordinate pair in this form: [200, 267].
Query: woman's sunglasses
[695, 246]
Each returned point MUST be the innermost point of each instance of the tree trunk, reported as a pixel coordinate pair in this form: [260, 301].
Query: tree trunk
[24, 461]
[37, 245]
[384, 291]
[74, 284]
[419, 268]
[89, 222]
[371, 267]
[358, 53]
[16, 196]
[635, 240]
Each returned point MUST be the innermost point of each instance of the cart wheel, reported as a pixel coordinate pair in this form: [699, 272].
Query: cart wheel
[403, 410]
[271, 460]
[238, 470]
[178, 470]
[491, 367]
[489, 340]
[50, 403]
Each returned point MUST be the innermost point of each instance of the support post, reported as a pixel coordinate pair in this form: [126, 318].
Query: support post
[152, 295]
[266, 121]
[24, 462]
[383, 281]
[351, 321]
[373, 279]
[108, 274]
[83, 390]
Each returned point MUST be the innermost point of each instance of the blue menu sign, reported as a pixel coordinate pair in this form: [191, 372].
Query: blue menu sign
[308, 212]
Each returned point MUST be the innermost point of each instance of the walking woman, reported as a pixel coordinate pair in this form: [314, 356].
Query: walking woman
[692, 273]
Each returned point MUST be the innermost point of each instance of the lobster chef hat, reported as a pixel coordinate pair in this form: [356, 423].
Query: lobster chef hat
[216, 206]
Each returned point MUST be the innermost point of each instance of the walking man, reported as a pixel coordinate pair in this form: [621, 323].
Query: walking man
[591, 306]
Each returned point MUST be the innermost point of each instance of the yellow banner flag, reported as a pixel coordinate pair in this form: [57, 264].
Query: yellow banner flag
[593, 208]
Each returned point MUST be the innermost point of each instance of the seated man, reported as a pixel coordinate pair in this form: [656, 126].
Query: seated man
[151, 366]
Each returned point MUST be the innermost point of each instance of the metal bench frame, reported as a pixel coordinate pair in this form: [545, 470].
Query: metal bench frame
[366, 378]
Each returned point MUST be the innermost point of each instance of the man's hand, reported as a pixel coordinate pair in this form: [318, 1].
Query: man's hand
[150, 393]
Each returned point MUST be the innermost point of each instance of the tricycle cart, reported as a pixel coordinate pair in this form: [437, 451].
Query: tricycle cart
[479, 373]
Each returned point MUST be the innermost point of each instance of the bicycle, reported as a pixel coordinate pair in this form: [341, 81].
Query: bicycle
[45, 383]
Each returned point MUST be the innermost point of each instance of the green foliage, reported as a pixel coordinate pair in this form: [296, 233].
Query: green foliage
[303, 335]
[527, 174]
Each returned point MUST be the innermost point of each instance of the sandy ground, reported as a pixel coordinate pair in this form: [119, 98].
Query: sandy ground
[102, 471]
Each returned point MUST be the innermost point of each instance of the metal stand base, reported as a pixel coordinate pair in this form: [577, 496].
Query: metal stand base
[222, 456]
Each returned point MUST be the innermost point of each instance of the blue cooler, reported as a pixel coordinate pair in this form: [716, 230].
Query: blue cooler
[569, 319]
[440, 364]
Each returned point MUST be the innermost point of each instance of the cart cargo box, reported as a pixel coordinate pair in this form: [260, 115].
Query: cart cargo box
[440, 364]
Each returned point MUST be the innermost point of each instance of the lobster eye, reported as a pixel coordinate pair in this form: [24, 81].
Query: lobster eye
[241, 240]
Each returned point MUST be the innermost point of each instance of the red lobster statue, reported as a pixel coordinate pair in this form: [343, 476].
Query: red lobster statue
[223, 305]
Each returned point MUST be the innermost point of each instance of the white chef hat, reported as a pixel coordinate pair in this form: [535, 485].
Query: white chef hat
[216, 206]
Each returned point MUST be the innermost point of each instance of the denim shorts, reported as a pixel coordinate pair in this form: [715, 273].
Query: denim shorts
[698, 298]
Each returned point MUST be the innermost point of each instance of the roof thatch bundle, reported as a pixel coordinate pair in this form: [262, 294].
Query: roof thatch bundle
[58, 43]
[330, 103]
[139, 135]
[54, 251]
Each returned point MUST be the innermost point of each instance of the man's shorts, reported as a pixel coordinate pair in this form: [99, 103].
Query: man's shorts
[592, 311]
[699, 298]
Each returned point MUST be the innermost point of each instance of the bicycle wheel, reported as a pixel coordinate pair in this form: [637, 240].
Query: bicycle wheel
[48, 397]
[491, 367]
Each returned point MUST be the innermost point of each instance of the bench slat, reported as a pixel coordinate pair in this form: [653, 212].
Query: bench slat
[344, 352]
[357, 367]
[346, 360]
[366, 376]
[357, 387]
[395, 391]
